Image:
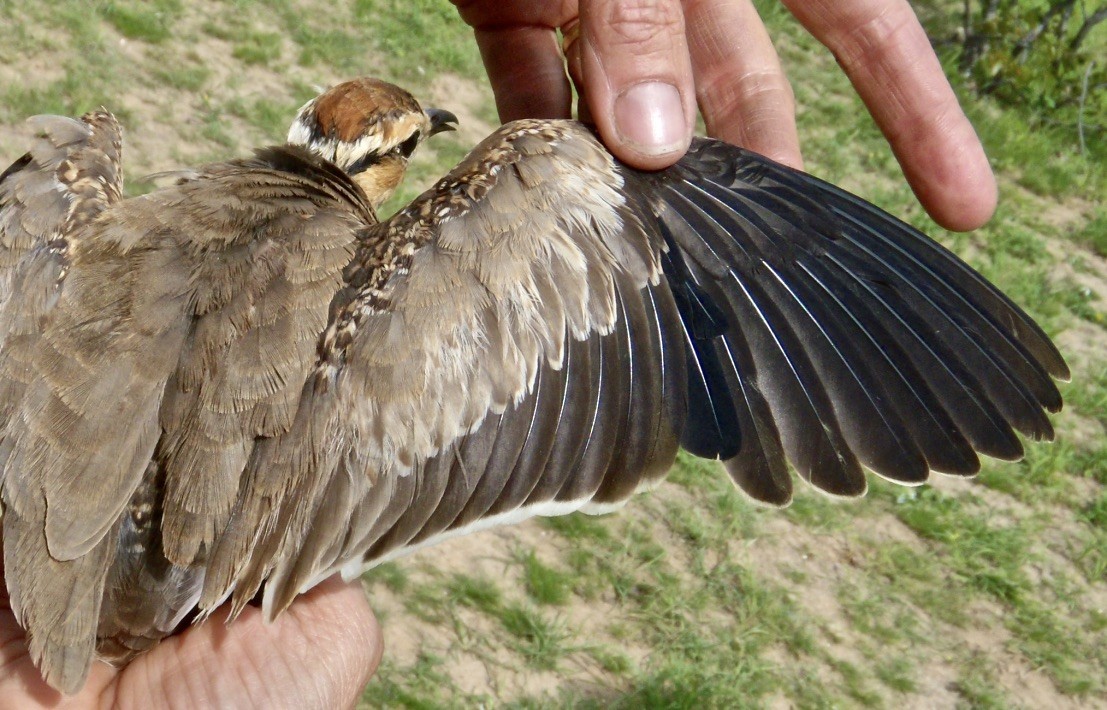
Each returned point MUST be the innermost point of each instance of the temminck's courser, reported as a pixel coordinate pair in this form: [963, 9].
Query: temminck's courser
[244, 382]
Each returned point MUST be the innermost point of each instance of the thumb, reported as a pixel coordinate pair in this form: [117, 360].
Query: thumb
[637, 78]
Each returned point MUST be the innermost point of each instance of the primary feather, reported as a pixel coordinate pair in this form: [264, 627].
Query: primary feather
[245, 383]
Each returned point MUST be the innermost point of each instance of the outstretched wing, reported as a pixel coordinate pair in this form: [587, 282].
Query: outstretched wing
[540, 332]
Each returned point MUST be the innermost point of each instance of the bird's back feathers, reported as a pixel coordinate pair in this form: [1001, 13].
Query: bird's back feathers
[180, 328]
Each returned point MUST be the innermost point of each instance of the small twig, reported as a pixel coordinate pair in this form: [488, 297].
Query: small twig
[1080, 113]
[1089, 22]
[975, 41]
[1065, 17]
[1022, 47]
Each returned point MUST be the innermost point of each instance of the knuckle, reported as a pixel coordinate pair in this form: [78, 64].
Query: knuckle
[727, 95]
[869, 39]
[767, 84]
[941, 120]
[639, 22]
[755, 109]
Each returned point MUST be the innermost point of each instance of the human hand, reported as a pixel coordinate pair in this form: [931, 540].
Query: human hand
[644, 65]
[318, 654]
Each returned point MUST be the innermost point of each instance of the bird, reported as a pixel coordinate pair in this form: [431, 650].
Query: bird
[244, 382]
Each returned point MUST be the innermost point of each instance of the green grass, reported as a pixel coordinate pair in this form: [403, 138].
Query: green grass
[391, 575]
[1056, 642]
[335, 47]
[149, 22]
[190, 77]
[420, 685]
[258, 48]
[880, 618]
[988, 556]
[897, 673]
[978, 688]
[417, 36]
[1093, 233]
[88, 80]
[1095, 512]
[1046, 161]
[1035, 479]
[268, 116]
[579, 527]
[544, 584]
[478, 593]
[539, 638]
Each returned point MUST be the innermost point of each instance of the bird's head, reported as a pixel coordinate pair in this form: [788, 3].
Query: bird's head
[368, 128]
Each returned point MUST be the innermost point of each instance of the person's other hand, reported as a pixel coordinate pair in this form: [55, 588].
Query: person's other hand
[318, 654]
[644, 65]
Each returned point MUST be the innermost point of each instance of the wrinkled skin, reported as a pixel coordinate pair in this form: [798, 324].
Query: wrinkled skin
[318, 654]
[718, 54]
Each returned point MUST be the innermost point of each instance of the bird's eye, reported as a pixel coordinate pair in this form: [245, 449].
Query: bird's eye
[408, 147]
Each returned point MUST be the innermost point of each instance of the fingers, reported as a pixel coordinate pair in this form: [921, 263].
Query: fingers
[521, 54]
[526, 70]
[635, 64]
[740, 86]
[885, 51]
[318, 654]
[637, 78]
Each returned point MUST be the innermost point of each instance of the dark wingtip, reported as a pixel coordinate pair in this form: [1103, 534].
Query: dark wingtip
[16, 167]
[1060, 371]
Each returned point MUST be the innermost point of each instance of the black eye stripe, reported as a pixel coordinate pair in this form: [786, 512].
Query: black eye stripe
[364, 163]
[367, 161]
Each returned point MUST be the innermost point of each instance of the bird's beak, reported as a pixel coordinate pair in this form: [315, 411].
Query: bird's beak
[441, 120]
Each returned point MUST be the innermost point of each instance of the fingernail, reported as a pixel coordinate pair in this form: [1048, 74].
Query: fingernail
[650, 115]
